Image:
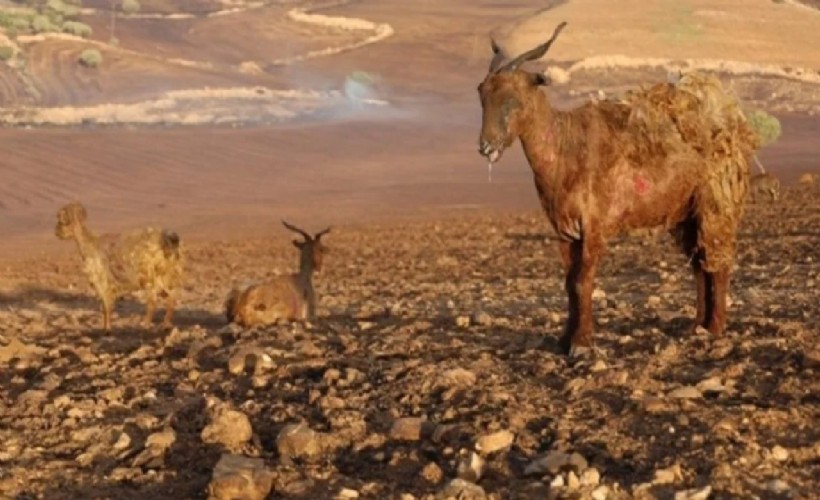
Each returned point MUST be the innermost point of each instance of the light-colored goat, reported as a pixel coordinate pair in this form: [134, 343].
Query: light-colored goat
[288, 297]
[146, 261]
[765, 185]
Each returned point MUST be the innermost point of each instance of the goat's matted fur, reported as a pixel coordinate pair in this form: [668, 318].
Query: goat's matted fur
[146, 262]
[671, 155]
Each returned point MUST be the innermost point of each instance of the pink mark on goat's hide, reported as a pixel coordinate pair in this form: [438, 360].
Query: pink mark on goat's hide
[642, 184]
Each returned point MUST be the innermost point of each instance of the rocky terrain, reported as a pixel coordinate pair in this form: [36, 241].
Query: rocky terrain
[432, 372]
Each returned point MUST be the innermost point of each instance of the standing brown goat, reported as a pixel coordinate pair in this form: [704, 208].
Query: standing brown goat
[671, 155]
[146, 260]
[287, 297]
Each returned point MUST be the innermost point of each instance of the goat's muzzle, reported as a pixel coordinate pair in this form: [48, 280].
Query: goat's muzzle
[489, 151]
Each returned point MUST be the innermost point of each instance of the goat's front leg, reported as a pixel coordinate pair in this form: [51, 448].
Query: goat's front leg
[581, 259]
[106, 308]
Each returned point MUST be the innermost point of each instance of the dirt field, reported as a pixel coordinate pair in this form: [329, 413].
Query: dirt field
[433, 370]
[454, 322]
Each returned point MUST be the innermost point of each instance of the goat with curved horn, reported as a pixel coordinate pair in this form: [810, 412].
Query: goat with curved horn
[284, 297]
[665, 155]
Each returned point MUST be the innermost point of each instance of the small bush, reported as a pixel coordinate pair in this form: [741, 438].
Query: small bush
[6, 52]
[42, 24]
[77, 29]
[765, 125]
[131, 6]
[91, 58]
[63, 8]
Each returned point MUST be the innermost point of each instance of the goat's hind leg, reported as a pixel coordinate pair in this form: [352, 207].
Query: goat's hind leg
[717, 313]
[170, 304]
[150, 308]
[686, 234]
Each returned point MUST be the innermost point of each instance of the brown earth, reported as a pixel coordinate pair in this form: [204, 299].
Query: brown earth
[440, 300]
[455, 322]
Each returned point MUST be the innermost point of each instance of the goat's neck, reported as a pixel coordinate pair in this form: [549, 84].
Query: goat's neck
[87, 243]
[305, 275]
[540, 135]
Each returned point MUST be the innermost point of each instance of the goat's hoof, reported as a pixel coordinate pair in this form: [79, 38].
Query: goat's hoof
[580, 352]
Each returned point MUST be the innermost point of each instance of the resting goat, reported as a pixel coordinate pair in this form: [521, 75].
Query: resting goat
[671, 155]
[290, 297]
[146, 260]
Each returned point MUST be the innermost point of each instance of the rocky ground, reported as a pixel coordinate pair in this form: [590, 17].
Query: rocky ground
[433, 372]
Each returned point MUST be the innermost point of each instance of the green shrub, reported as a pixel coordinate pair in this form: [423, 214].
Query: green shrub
[131, 6]
[765, 125]
[91, 58]
[6, 52]
[63, 8]
[42, 24]
[77, 29]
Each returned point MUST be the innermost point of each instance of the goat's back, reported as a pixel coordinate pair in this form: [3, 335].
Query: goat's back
[147, 258]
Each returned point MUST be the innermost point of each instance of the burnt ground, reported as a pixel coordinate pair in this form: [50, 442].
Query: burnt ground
[454, 321]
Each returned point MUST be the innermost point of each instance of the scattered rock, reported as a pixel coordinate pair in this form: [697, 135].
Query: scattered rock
[229, 428]
[711, 384]
[240, 477]
[578, 463]
[653, 301]
[347, 493]
[573, 483]
[462, 321]
[685, 392]
[557, 482]
[694, 494]
[463, 490]
[669, 475]
[123, 442]
[590, 477]
[457, 377]
[156, 445]
[432, 473]
[470, 467]
[654, 405]
[600, 493]
[411, 429]
[553, 462]
[778, 486]
[779, 453]
[496, 441]
[806, 179]
[482, 318]
[298, 441]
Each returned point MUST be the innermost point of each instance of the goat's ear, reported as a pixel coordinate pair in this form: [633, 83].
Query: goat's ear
[539, 79]
[298, 244]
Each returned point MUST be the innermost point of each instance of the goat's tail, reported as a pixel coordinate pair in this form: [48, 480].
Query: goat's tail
[169, 241]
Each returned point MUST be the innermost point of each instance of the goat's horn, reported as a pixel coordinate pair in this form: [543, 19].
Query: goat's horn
[321, 233]
[498, 56]
[297, 230]
[533, 54]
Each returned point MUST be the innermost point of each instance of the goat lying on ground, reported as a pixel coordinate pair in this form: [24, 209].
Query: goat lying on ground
[671, 155]
[765, 184]
[290, 297]
[146, 260]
